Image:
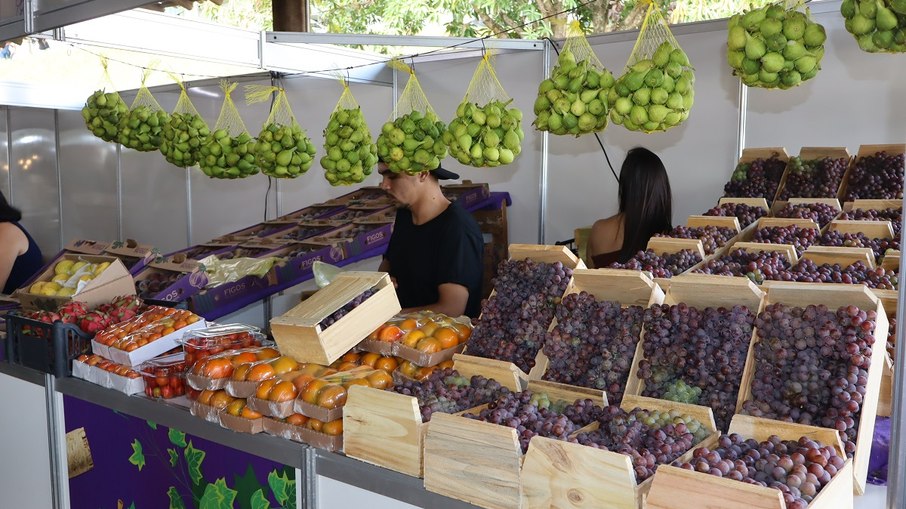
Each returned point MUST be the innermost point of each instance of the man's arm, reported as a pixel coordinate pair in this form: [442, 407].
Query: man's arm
[452, 300]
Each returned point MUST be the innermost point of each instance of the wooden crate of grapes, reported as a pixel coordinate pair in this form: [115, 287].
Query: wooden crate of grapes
[844, 256]
[304, 334]
[889, 301]
[871, 229]
[713, 297]
[876, 174]
[678, 488]
[791, 187]
[781, 300]
[738, 261]
[752, 202]
[628, 288]
[546, 254]
[556, 473]
[480, 462]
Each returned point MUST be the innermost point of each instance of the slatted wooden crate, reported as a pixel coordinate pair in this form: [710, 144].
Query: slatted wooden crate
[298, 332]
[479, 462]
[752, 202]
[629, 288]
[871, 229]
[564, 474]
[870, 150]
[844, 256]
[787, 250]
[885, 400]
[872, 205]
[834, 296]
[751, 154]
[677, 488]
[812, 153]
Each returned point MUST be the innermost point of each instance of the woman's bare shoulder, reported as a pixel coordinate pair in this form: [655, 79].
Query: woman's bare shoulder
[610, 223]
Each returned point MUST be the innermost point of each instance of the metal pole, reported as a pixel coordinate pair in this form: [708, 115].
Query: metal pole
[188, 207]
[56, 141]
[9, 156]
[542, 191]
[310, 480]
[119, 192]
[896, 463]
[59, 476]
[741, 120]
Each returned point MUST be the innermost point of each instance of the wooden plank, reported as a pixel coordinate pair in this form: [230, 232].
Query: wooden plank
[563, 474]
[506, 373]
[812, 153]
[661, 245]
[345, 287]
[867, 204]
[629, 288]
[751, 154]
[833, 202]
[752, 202]
[678, 488]
[891, 260]
[787, 250]
[473, 461]
[700, 413]
[871, 229]
[890, 148]
[701, 291]
[769, 222]
[885, 394]
[546, 254]
[761, 429]
[845, 256]
[384, 428]
[719, 221]
[567, 393]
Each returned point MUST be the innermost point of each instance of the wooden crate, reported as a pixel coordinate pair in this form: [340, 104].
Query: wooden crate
[677, 488]
[769, 222]
[299, 335]
[888, 300]
[564, 474]
[662, 245]
[479, 462]
[700, 291]
[871, 229]
[872, 205]
[834, 296]
[845, 256]
[628, 287]
[787, 250]
[813, 153]
[546, 254]
[719, 221]
[751, 154]
[870, 150]
[752, 202]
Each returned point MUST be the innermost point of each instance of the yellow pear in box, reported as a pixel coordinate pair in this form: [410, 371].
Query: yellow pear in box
[91, 279]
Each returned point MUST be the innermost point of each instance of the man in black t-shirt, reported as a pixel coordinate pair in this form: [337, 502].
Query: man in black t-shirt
[435, 252]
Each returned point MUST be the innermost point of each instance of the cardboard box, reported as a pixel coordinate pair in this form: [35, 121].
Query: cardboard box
[241, 424]
[300, 233]
[254, 232]
[307, 213]
[299, 258]
[113, 282]
[356, 238]
[152, 349]
[467, 194]
[199, 252]
[134, 256]
[78, 246]
[182, 280]
[282, 429]
[365, 196]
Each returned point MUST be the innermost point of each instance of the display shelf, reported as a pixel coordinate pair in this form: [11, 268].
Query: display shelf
[22, 373]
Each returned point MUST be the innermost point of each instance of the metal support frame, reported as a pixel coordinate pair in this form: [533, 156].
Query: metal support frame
[57, 160]
[56, 440]
[896, 463]
[545, 139]
[741, 122]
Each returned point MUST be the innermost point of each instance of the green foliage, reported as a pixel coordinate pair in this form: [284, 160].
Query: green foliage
[152, 424]
[177, 438]
[282, 486]
[194, 457]
[259, 501]
[175, 500]
[217, 495]
[138, 457]
[174, 457]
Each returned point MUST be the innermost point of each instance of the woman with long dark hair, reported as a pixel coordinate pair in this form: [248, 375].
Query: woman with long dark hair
[20, 256]
[645, 209]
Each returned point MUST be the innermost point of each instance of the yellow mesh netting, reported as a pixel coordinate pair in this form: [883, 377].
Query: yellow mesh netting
[653, 33]
[578, 45]
[346, 101]
[183, 104]
[144, 96]
[105, 64]
[281, 113]
[229, 118]
[485, 87]
[413, 97]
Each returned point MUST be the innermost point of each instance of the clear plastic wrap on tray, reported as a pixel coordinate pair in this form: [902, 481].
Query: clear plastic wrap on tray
[213, 372]
[424, 338]
[201, 343]
[165, 377]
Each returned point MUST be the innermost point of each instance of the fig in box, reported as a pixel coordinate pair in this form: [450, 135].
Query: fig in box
[300, 233]
[254, 232]
[133, 255]
[841, 326]
[686, 487]
[199, 252]
[365, 196]
[346, 216]
[610, 462]
[387, 428]
[329, 323]
[201, 343]
[165, 377]
[213, 372]
[92, 280]
[171, 282]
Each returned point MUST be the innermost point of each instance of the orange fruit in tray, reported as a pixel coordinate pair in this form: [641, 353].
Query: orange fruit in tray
[346, 366]
[235, 407]
[260, 372]
[446, 364]
[302, 381]
[408, 369]
[390, 333]
[448, 337]
[314, 424]
[297, 420]
[216, 368]
[413, 337]
[333, 428]
[221, 400]
[464, 331]
[429, 328]
[310, 394]
[243, 358]
[380, 379]
[409, 324]
[241, 372]
[356, 381]
[353, 357]
[264, 388]
[332, 396]
[205, 397]
[429, 345]
[248, 413]
[267, 353]
[283, 391]
[386, 363]
[369, 359]
[424, 372]
[284, 364]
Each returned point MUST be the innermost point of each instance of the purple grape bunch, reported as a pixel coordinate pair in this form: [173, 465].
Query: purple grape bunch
[814, 178]
[747, 214]
[878, 176]
[755, 265]
[447, 391]
[593, 344]
[892, 337]
[878, 247]
[811, 366]
[820, 213]
[895, 216]
[650, 438]
[758, 179]
[798, 237]
[349, 306]
[798, 469]
[807, 271]
[712, 237]
[515, 319]
[696, 355]
[664, 266]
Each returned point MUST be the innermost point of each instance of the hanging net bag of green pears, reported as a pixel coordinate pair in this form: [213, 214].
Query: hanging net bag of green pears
[185, 132]
[104, 110]
[284, 149]
[575, 99]
[349, 150]
[141, 128]
[486, 131]
[412, 140]
[655, 91]
[879, 26]
[229, 151]
[775, 46]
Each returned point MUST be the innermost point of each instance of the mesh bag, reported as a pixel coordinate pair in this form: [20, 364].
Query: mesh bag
[577, 96]
[283, 149]
[183, 135]
[485, 132]
[229, 151]
[877, 27]
[141, 128]
[349, 150]
[655, 92]
[412, 140]
[103, 111]
[776, 46]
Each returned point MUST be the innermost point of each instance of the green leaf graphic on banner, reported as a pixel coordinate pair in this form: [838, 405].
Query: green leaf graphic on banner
[175, 500]
[245, 486]
[174, 457]
[259, 501]
[217, 496]
[177, 438]
[280, 486]
[152, 425]
[132, 505]
[138, 457]
[194, 457]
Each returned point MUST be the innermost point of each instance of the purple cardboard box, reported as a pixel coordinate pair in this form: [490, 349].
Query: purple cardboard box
[467, 193]
[181, 281]
[308, 213]
[210, 299]
[134, 256]
[300, 257]
[253, 232]
[357, 237]
[299, 233]
[200, 251]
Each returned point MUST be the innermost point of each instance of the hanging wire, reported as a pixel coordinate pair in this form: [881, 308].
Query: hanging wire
[597, 136]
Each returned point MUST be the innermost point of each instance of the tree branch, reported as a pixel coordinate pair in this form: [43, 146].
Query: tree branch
[489, 21]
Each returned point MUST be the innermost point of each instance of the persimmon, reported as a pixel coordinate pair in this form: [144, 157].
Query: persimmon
[356, 381]
[390, 333]
[282, 391]
[235, 407]
[333, 428]
[332, 396]
[221, 400]
[447, 336]
[283, 364]
[260, 372]
[409, 324]
[386, 363]
[464, 331]
[264, 388]
[243, 358]
[241, 372]
[301, 381]
[267, 353]
[413, 337]
[428, 328]
[297, 420]
[248, 413]
[205, 397]
[369, 359]
[346, 366]
[380, 379]
[217, 368]
[353, 357]
[446, 364]
[310, 394]
[408, 369]
[314, 424]
[424, 372]
[429, 345]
